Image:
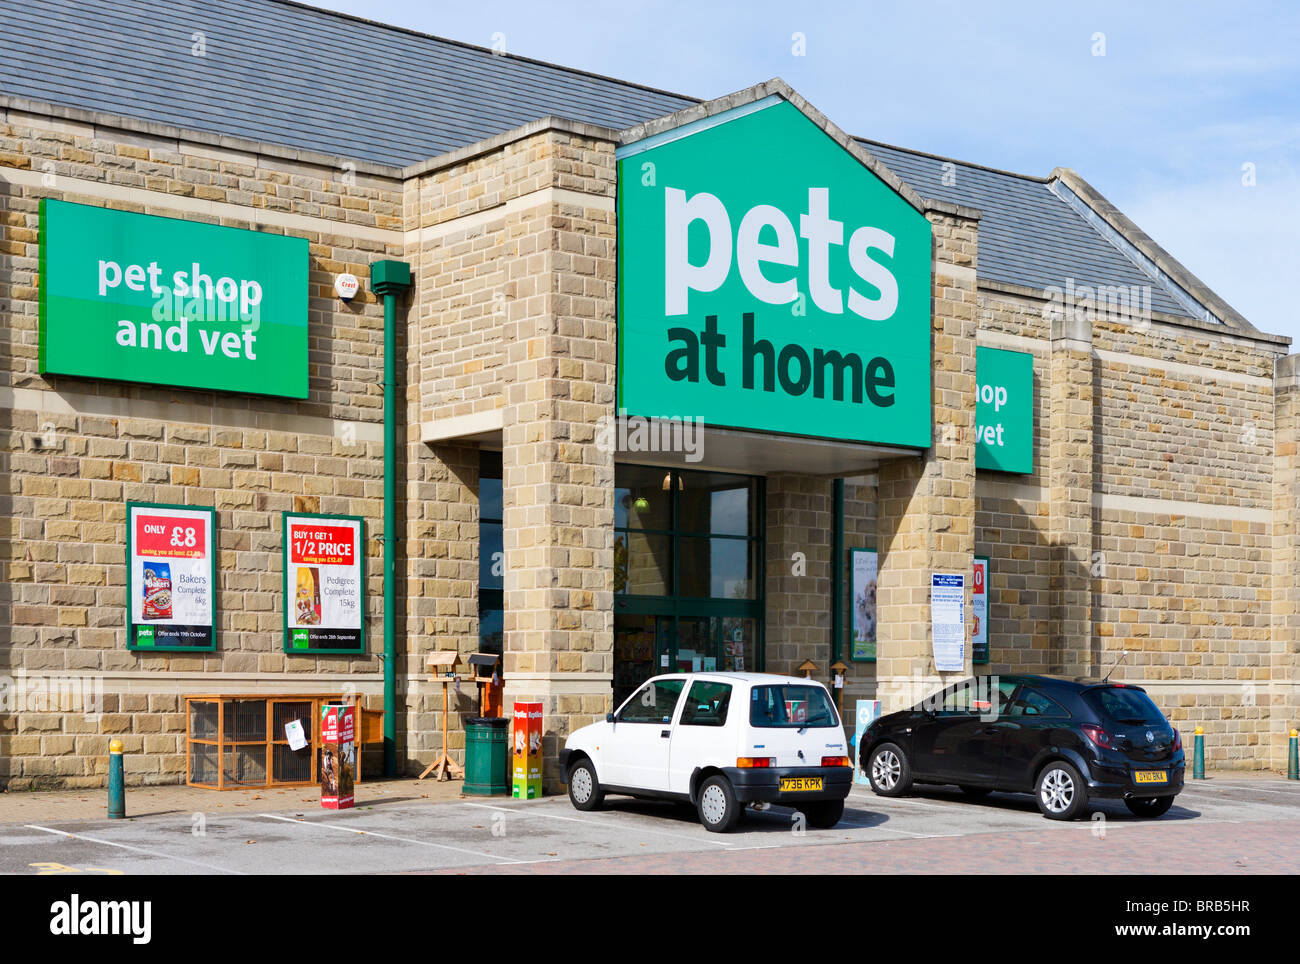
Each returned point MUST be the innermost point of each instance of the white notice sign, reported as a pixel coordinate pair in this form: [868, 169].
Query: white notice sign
[947, 621]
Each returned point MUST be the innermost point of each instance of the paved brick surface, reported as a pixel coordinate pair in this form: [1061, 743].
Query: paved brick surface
[1230, 825]
[1261, 847]
[58, 806]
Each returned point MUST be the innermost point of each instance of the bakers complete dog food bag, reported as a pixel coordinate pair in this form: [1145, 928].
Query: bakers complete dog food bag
[157, 590]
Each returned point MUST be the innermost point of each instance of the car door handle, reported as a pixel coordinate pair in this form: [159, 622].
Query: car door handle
[665, 733]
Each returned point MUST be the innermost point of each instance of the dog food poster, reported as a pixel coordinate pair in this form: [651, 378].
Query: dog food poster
[170, 577]
[863, 603]
[526, 751]
[338, 756]
[323, 583]
[980, 611]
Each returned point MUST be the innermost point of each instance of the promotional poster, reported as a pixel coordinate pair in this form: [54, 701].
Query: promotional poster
[170, 577]
[323, 579]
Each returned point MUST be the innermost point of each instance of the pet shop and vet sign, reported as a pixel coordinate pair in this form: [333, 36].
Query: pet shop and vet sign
[140, 298]
[527, 751]
[1004, 410]
[768, 279]
[171, 577]
[324, 583]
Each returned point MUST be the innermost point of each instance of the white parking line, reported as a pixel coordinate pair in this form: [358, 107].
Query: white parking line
[385, 836]
[138, 850]
[596, 822]
[1294, 791]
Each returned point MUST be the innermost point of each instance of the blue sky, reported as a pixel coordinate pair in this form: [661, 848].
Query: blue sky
[1162, 123]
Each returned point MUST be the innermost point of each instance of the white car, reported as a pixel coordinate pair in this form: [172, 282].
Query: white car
[719, 741]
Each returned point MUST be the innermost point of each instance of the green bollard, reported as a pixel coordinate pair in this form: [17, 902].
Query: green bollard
[1293, 757]
[116, 783]
[1198, 761]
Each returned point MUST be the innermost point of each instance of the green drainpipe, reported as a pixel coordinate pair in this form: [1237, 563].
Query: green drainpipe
[837, 570]
[390, 279]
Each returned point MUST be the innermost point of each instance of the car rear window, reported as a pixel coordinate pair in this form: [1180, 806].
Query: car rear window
[1124, 705]
[791, 705]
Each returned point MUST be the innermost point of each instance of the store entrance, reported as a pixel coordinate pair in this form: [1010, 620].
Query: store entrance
[688, 574]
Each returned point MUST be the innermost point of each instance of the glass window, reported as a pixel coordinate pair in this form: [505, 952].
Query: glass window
[641, 561]
[959, 699]
[1030, 702]
[642, 498]
[491, 556]
[1125, 705]
[652, 703]
[706, 704]
[791, 705]
[716, 568]
[491, 630]
[490, 506]
[716, 504]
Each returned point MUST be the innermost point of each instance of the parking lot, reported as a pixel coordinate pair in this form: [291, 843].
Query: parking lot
[1221, 826]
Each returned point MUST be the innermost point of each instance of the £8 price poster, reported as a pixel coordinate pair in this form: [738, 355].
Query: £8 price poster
[171, 577]
[324, 579]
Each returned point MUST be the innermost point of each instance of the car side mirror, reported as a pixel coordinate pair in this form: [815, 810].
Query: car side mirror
[609, 717]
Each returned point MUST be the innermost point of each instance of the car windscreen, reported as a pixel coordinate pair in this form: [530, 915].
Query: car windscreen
[791, 705]
[1125, 705]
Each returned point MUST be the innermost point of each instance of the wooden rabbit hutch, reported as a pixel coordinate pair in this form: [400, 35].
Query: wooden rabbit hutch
[237, 742]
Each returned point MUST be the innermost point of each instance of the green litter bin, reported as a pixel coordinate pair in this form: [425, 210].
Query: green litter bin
[487, 745]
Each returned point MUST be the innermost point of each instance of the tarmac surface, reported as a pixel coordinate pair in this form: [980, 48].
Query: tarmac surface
[1230, 824]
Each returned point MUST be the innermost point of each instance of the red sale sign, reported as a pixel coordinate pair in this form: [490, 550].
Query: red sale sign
[168, 537]
[316, 545]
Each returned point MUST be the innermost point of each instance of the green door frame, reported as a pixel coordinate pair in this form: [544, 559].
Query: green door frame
[678, 607]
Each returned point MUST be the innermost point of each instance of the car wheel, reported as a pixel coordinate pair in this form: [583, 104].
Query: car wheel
[889, 771]
[1060, 791]
[823, 815]
[717, 805]
[1149, 806]
[584, 789]
[976, 793]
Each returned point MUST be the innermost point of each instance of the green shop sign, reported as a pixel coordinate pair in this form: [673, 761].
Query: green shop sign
[1004, 410]
[139, 298]
[769, 280]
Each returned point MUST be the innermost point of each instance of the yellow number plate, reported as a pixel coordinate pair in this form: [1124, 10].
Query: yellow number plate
[800, 784]
[1150, 776]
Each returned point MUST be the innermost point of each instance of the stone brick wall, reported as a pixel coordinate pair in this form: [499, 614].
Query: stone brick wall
[1178, 517]
[74, 451]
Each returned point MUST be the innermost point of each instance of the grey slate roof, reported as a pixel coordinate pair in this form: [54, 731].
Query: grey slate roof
[286, 74]
[1028, 235]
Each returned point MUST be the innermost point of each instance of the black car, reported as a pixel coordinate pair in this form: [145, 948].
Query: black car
[1065, 741]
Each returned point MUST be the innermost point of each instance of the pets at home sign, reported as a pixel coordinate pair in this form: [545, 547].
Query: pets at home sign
[324, 576]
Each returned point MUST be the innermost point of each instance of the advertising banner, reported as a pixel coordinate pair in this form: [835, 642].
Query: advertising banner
[527, 755]
[947, 621]
[862, 596]
[338, 756]
[324, 583]
[980, 611]
[171, 575]
[140, 298]
[868, 713]
[1004, 410]
[768, 279]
